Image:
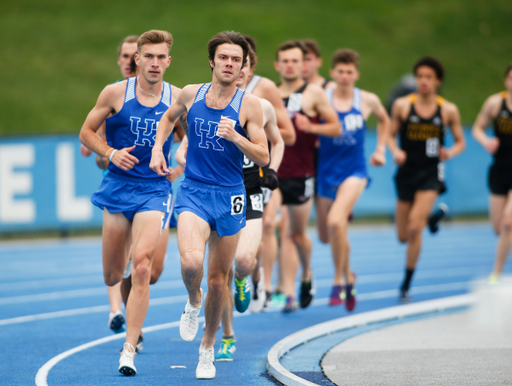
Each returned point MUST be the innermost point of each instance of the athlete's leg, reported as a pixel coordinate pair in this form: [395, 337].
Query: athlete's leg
[158, 262]
[227, 315]
[337, 224]
[245, 256]
[505, 237]
[497, 205]
[322, 205]
[288, 257]
[299, 218]
[402, 210]
[116, 242]
[145, 236]
[422, 206]
[193, 233]
[220, 259]
[114, 298]
[269, 245]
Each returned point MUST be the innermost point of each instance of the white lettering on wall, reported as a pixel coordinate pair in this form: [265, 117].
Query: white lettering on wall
[14, 183]
[69, 207]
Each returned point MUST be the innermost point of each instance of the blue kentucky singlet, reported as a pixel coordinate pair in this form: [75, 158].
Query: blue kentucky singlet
[343, 156]
[136, 124]
[212, 159]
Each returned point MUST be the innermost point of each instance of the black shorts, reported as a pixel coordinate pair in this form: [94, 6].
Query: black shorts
[409, 180]
[500, 179]
[296, 191]
[254, 208]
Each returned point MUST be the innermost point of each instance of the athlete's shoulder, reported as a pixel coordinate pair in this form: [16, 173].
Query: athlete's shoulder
[370, 97]
[114, 90]
[268, 109]
[495, 100]
[403, 102]
[189, 91]
[447, 106]
[314, 90]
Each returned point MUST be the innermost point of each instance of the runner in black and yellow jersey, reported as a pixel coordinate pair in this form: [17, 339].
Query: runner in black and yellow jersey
[498, 108]
[419, 119]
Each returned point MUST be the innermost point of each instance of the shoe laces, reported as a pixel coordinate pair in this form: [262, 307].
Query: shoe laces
[205, 358]
[225, 345]
[128, 350]
[240, 284]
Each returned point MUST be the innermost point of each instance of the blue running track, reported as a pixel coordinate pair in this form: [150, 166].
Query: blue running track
[53, 300]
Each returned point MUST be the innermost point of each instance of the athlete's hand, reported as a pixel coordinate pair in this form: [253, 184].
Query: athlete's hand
[399, 156]
[270, 180]
[303, 123]
[102, 162]
[378, 158]
[85, 151]
[226, 129]
[174, 173]
[157, 163]
[492, 145]
[123, 159]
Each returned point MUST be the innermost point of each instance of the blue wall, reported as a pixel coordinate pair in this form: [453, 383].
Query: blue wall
[45, 183]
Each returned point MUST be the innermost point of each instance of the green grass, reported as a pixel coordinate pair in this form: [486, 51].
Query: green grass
[58, 55]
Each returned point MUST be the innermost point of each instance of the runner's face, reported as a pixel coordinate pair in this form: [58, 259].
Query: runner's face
[311, 65]
[345, 74]
[508, 82]
[228, 63]
[153, 61]
[123, 61]
[245, 74]
[289, 64]
[426, 80]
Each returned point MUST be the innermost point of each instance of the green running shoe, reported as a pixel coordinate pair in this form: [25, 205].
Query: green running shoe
[242, 294]
[226, 351]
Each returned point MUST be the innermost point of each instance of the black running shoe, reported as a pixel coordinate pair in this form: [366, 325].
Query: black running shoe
[436, 216]
[307, 291]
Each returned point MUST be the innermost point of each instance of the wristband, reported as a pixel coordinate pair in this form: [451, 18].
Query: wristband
[106, 153]
[111, 155]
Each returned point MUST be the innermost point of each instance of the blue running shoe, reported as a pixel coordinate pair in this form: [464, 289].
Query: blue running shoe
[291, 305]
[242, 294]
[226, 351]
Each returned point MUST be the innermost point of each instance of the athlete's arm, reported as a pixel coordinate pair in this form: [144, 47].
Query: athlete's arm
[88, 134]
[321, 105]
[378, 158]
[267, 89]
[158, 163]
[256, 149]
[273, 134]
[181, 152]
[397, 111]
[485, 116]
[459, 144]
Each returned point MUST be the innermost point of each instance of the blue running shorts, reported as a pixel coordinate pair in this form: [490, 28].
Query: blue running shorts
[223, 208]
[327, 190]
[130, 195]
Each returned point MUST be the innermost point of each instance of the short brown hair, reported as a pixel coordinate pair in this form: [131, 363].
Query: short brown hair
[509, 68]
[128, 39]
[228, 37]
[345, 56]
[312, 46]
[252, 57]
[155, 37]
[290, 44]
[252, 42]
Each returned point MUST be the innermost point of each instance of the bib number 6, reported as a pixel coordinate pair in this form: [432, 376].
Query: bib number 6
[237, 204]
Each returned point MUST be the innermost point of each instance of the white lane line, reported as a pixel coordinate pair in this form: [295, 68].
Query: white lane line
[86, 310]
[286, 377]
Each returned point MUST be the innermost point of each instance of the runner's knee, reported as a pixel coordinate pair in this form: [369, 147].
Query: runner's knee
[414, 229]
[142, 270]
[337, 225]
[191, 261]
[245, 263]
[112, 278]
[217, 283]
[506, 225]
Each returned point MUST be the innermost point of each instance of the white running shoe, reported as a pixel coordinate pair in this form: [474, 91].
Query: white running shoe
[126, 366]
[189, 323]
[205, 368]
[259, 296]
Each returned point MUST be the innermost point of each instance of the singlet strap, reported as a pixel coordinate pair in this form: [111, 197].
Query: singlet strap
[202, 92]
[167, 94]
[439, 100]
[357, 99]
[330, 95]
[504, 94]
[130, 89]
[412, 97]
[326, 82]
[253, 83]
[237, 100]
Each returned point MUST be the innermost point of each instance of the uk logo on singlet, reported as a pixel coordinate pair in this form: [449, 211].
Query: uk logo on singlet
[208, 135]
[351, 123]
[145, 132]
